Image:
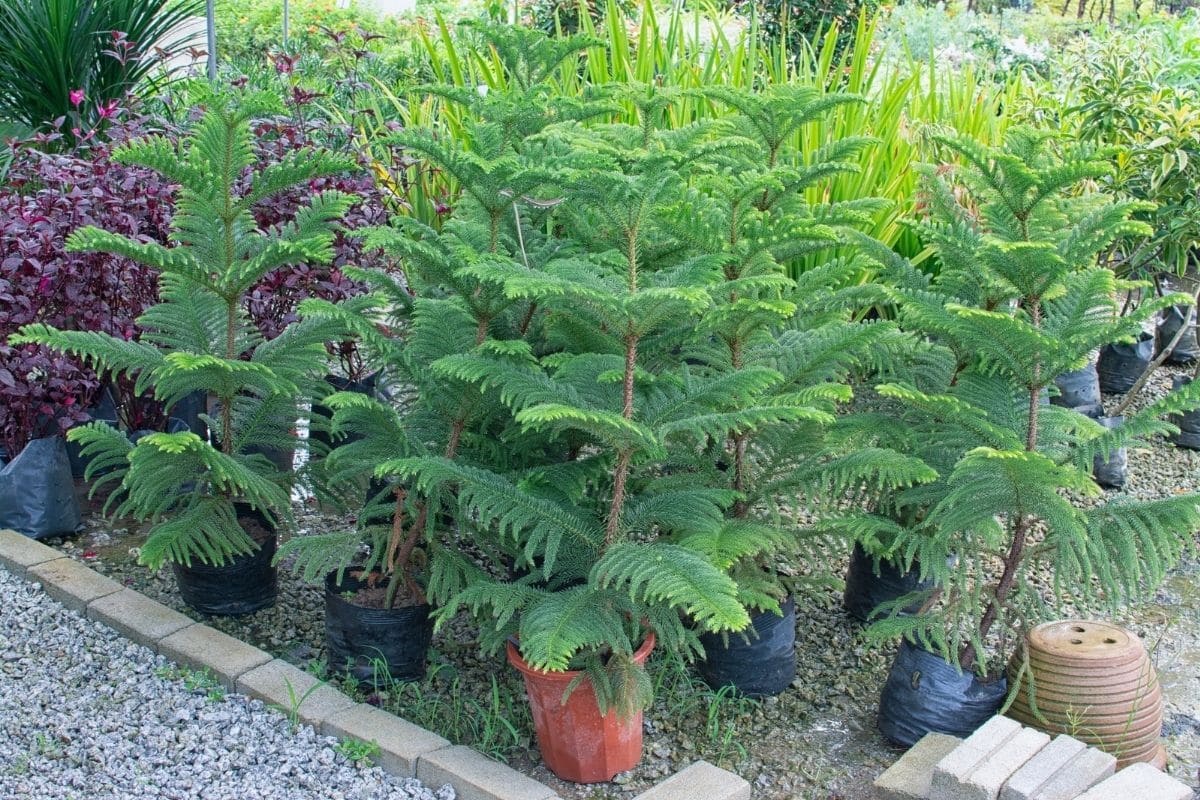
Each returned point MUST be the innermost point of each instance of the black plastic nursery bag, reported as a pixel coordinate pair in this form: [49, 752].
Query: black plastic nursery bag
[1120, 365]
[1187, 349]
[1080, 390]
[37, 492]
[925, 694]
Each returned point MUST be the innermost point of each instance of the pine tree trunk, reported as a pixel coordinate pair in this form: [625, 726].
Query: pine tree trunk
[1022, 524]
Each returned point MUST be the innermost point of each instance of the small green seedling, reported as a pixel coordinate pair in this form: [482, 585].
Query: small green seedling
[358, 752]
[292, 710]
[194, 680]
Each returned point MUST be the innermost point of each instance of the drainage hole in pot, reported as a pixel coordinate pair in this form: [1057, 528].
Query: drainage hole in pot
[1078, 629]
[1077, 641]
[1110, 641]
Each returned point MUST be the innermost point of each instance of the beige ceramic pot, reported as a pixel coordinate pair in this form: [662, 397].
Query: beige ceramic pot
[1094, 681]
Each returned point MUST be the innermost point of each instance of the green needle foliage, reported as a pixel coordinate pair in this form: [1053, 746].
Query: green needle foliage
[440, 311]
[1019, 299]
[595, 533]
[777, 354]
[199, 339]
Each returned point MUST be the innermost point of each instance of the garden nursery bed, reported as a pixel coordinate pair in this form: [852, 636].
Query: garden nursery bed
[816, 741]
[593, 340]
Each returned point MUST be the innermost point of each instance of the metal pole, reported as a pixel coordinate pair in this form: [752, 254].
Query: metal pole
[212, 41]
[285, 25]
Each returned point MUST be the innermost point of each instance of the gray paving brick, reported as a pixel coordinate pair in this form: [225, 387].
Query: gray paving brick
[474, 776]
[71, 583]
[401, 743]
[951, 772]
[1091, 767]
[1140, 782]
[18, 553]
[985, 782]
[1057, 755]
[137, 617]
[700, 780]
[293, 690]
[201, 647]
[909, 778]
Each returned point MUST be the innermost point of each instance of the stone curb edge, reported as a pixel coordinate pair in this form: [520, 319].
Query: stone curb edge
[405, 749]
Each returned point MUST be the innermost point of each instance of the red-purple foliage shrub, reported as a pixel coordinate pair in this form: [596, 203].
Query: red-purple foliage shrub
[272, 303]
[45, 197]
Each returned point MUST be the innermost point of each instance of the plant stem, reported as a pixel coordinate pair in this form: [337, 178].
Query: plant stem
[403, 550]
[625, 456]
[740, 506]
[227, 402]
[232, 300]
[1023, 522]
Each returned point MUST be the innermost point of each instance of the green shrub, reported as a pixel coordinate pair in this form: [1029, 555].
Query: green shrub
[200, 339]
[78, 59]
[798, 25]
[1018, 300]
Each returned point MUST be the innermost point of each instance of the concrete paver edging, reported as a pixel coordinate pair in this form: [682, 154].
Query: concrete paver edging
[405, 749]
[1003, 760]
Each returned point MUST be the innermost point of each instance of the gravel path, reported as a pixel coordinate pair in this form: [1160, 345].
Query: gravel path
[85, 713]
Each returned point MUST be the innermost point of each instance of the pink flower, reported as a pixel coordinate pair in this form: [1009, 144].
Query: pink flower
[107, 110]
[77, 96]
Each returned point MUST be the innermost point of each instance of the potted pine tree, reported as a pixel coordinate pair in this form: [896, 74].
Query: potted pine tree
[212, 504]
[801, 339]
[410, 561]
[1017, 299]
[379, 598]
[613, 544]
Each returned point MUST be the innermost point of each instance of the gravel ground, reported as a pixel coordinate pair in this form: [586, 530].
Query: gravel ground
[816, 741]
[87, 713]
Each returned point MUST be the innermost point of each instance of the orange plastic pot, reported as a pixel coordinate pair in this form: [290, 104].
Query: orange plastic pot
[578, 743]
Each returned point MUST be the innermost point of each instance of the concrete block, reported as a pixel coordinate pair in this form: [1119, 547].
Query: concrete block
[985, 782]
[474, 776]
[201, 647]
[18, 553]
[281, 684]
[909, 778]
[1057, 755]
[1091, 767]
[400, 742]
[137, 617]
[71, 583]
[951, 772]
[700, 780]
[1140, 781]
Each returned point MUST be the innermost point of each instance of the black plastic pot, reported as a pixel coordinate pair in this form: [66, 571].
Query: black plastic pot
[1120, 365]
[103, 410]
[926, 694]
[174, 425]
[242, 585]
[376, 645]
[1080, 390]
[317, 434]
[37, 492]
[866, 590]
[1112, 473]
[760, 663]
[1187, 349]
[1189, 423]
[189, 410]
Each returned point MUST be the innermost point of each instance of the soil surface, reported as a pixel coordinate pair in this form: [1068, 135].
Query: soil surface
[816, 741]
